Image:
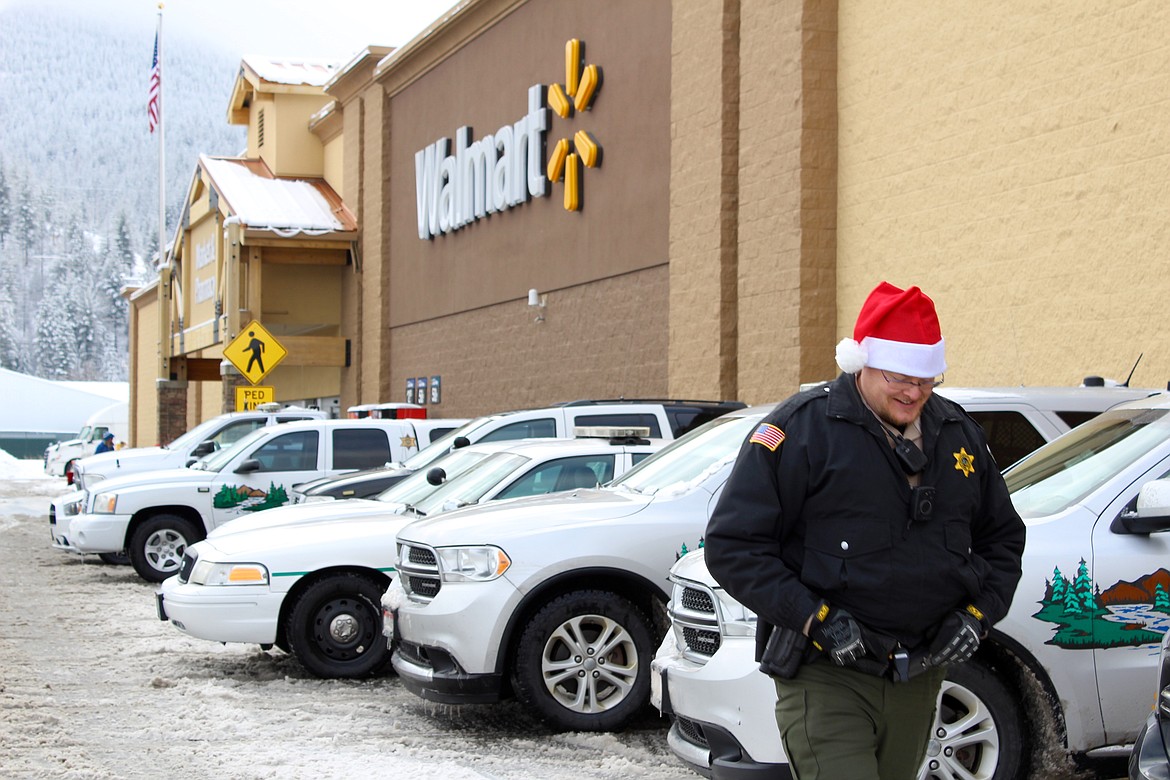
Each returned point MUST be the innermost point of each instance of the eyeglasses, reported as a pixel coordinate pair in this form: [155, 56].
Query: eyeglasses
[921, 384]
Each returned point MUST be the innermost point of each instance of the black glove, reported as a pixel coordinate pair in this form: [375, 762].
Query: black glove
[957, 639]
[835, 632]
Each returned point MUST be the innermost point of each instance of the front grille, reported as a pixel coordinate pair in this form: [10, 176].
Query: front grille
[419, 569]
[695, 620]
[692, 732]
[697, 600]
[422, 556]
[703, 641]
[187, 565]
[427, 587]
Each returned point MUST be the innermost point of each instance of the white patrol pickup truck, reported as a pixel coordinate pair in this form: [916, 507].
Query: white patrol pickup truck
[154, 515]
[208, 436]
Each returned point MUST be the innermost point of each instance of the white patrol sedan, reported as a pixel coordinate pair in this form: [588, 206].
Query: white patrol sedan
[309, 578]
[154, 515]
[1073, 661]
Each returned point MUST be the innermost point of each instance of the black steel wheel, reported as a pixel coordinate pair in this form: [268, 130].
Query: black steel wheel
[335, 627]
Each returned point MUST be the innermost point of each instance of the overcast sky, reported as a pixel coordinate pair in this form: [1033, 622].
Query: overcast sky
[334, 29]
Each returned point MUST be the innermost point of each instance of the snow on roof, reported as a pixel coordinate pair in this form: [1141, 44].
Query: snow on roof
[277, 204]
[313, 73]
[38, 405]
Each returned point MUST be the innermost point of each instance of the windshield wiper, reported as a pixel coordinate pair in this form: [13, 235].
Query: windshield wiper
[414, 509]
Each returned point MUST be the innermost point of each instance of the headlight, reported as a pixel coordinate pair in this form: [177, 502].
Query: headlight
[734, 618]
[105, 503]
[208, 572]
[73, 507]
[472, 564]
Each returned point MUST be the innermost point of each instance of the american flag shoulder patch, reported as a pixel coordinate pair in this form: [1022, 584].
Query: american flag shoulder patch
[768, 435]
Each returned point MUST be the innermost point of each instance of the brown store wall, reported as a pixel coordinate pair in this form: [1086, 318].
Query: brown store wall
[601, 340]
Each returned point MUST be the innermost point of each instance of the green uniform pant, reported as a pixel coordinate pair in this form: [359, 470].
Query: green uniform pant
[840, 724]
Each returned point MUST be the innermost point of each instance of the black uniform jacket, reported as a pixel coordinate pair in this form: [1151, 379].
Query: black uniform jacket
[826, 515]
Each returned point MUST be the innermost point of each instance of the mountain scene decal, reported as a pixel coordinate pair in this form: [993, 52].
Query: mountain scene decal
[1126, 614]
[249, 499]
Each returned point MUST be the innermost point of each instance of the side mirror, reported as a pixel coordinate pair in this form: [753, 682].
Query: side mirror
[436, 476]
[203, 448]
[248, 466]
[1148, 513]
[460, 442]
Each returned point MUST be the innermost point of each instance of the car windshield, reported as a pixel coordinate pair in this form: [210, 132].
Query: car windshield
[414, 488]
[217, 460]
[678, 466]
[470, 486]
[442, 445]
[197, 434]
[1066, 470]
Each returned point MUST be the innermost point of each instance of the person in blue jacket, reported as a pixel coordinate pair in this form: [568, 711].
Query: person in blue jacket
[106, 444]
[867, 525]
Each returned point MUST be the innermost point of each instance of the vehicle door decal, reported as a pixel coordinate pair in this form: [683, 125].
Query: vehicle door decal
[1126, 614]
[244, 498]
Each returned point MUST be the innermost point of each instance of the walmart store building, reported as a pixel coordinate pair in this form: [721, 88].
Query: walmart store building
[700, 193]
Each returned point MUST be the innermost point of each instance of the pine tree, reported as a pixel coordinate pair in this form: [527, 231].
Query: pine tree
[1059, 585]
[5, 208]
[1083, 587]
[1161, 600]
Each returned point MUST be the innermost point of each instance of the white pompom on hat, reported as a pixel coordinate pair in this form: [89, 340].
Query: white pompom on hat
[897, 330]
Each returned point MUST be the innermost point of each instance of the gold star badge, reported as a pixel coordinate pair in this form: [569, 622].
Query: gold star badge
[408, 442]
[964, 462]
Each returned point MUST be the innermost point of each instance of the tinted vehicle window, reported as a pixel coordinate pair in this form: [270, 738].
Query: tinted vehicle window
[234, 431]
[1073, 419]
[360, 449]
[564, 474]
[1009, 434]
[684, 420]
[437, 433]
[623, 421]
[544, 428]
[289, 452]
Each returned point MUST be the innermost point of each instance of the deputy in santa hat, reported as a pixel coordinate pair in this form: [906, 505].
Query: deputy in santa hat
[867, 526]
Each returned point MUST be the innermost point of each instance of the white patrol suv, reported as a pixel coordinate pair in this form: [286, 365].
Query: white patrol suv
[309, 578]
[154, 515]
[554, 600]
[1077, 651]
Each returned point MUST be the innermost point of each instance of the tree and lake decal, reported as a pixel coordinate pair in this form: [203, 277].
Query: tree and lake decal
[249, 499]
[1126, 614]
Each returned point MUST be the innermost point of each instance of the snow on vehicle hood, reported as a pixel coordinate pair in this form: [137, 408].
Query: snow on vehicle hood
[300, 514]
[495, 521]
[67, 443]
[159, 478]
[306, 546]
[109, 462]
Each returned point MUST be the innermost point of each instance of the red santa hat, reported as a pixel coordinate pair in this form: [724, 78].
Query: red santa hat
[897, 330]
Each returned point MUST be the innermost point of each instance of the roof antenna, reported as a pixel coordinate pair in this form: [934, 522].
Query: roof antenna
[1135, 365]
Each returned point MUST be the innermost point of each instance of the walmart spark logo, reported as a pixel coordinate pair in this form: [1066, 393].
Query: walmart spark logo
[576, 95]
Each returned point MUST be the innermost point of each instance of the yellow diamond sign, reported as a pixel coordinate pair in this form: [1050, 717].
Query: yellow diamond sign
[254, 352]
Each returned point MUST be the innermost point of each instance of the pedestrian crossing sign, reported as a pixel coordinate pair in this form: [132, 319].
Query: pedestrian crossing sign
[254, 352]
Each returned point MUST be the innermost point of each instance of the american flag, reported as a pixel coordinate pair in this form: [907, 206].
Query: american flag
[155, 87]
[768, 435]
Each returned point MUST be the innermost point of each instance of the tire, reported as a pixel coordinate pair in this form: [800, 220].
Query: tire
[335, 627]
[157, 546]
[583, 662]
[978, 729]
[115, 559]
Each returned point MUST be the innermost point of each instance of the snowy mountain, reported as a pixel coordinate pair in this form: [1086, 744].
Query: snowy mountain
[79, 176]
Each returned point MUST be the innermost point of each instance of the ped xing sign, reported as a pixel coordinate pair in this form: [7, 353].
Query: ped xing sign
[255, 352]
[248, 398]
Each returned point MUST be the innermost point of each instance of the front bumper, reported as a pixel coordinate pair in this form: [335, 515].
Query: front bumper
[724, 718]
[1148, 760]
[99, 533]
[449, 648]
[61, 517]
[238, 613]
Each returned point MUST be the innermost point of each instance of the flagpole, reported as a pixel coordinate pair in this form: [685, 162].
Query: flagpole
[162, 155]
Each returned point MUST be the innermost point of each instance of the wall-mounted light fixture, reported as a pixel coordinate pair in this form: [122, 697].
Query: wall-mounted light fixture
[536, 300]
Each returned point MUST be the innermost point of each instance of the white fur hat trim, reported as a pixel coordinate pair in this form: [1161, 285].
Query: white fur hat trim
[851, 356]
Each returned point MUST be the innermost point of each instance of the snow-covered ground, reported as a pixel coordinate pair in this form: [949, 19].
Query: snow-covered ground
[93, 685]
